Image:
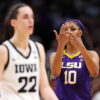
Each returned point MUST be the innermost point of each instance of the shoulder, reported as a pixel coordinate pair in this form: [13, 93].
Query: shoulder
[52, 55]
[41, 49]
[40, 46]
[94, 54]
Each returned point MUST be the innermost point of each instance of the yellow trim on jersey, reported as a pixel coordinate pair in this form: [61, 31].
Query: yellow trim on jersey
[71, 56]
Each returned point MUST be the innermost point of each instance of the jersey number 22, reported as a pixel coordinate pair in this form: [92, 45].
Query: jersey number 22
[26, 80]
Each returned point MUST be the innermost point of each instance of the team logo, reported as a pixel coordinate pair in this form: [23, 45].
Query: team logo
[80, 56]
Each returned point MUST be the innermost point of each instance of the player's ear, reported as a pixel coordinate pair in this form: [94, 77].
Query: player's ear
[12, 22]
[79, 33]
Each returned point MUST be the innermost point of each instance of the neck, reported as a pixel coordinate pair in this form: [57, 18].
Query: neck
[71, 50]
[20, 41]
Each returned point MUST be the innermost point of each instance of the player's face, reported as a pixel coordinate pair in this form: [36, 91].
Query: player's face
[71, 27]
[24, 22]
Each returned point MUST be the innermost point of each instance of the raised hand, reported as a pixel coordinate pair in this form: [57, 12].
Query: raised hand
[62, 37]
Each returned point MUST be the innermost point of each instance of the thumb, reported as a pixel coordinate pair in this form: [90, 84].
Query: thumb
[56, 34]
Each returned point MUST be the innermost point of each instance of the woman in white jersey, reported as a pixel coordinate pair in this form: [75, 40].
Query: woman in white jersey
[22, 62]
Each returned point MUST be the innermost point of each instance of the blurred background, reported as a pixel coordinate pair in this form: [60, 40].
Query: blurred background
[50, 14]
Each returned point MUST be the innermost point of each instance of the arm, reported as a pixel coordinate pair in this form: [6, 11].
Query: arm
[91, 58]
[56, 59]
[45, 90]
[92, 61]
[3, 58]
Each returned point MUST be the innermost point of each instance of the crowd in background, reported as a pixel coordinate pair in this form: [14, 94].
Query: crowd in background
[50, 14]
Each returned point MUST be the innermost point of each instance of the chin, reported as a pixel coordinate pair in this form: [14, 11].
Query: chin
[30, 32]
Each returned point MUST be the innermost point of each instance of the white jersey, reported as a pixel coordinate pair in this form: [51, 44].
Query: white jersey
[20, 79]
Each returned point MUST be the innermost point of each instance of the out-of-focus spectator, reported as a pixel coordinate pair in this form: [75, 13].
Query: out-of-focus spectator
[96, 82]
[96, 89]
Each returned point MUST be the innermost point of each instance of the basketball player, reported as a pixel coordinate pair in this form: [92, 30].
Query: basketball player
[74, 66]
[22, 61]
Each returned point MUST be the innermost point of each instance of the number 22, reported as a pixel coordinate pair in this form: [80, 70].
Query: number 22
[25, 79]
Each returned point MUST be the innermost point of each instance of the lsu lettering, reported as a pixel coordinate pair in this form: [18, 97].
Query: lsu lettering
[72, 65]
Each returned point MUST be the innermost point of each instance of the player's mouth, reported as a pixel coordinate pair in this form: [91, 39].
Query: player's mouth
[31, 27]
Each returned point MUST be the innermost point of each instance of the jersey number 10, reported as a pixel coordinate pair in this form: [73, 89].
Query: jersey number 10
[69, 75]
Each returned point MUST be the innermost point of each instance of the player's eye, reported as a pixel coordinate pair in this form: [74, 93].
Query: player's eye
[25, 16]
[73, 29]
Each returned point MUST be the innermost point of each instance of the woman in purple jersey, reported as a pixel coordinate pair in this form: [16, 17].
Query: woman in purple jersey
[73, 67]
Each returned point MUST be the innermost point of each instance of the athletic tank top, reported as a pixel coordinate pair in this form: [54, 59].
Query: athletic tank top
[74, 82]
[20, 79]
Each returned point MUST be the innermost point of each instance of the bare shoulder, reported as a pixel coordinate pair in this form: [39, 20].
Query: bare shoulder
[41, 50]
[40, 46]
[93, 53]
[53, 54]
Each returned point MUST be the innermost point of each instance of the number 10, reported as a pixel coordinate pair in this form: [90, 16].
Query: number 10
[68, 76]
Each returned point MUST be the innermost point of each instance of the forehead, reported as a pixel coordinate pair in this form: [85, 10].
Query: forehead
[25, 10]
[71, 24]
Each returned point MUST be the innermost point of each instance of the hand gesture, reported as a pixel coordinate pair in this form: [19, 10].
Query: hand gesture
[62, 37]
[75, 41]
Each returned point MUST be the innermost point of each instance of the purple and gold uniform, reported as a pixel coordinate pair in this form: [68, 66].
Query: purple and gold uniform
[74, 82]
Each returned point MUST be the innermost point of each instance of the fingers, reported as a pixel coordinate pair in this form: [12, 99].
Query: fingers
[62, 30]
[56, 34]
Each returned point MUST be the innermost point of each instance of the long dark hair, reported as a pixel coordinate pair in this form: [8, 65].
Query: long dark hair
[85, 36]
[8, 30]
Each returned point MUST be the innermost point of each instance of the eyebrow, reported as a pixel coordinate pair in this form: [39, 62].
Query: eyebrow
[73, 26]
[25, 14]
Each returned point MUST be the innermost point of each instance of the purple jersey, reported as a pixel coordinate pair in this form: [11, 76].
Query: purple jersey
[74, 82]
